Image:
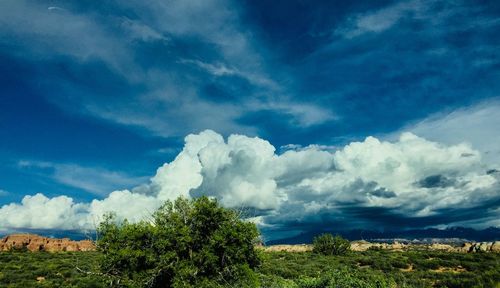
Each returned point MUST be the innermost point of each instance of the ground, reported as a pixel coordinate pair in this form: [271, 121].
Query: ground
[278, 269]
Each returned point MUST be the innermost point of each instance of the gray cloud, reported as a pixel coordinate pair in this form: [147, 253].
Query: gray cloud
[396, 183]
[436, 181]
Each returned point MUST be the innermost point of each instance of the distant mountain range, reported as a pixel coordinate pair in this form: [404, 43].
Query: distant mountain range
[462, 233]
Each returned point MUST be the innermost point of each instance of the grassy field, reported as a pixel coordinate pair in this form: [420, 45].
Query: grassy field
[281, 269]
[399, 269]
[43, 269]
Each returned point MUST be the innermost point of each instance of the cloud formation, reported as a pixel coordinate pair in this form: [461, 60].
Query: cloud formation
[412, 179]
[381, 20]
[476, 125]
[201, 45]
[97, 181]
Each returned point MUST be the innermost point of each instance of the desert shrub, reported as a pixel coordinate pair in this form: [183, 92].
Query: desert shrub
[365, 261]
[327, 244]
[187, 243]
[347, 278]
[20, 249]
[427, 264]
[274, 281]
[278, 269]
[399, 263]
[382, 264]
[58, 269]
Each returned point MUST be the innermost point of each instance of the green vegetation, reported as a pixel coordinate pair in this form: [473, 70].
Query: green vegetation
[189, 243]
[43, 269]
[281, 269]
[416, 268]
[327, 244]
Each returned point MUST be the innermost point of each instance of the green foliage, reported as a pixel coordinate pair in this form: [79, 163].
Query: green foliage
[327, 244]
[315, 270]
[278, 270]
[347, 278]
[188, 243]
[64, 269]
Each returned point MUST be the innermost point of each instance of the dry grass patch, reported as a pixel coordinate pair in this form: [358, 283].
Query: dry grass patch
[408, 269]
[458, 269]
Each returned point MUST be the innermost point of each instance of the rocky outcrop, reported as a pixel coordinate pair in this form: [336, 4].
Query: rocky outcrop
[364, 245]
[481, 247]
[33, 243]
[442, 247]
[466, 248]
[288, 248]
[396, 246]
[495, 247]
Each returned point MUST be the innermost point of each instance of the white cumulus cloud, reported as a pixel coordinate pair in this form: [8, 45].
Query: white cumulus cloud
[38, 211]
[411, 177]
[476, 125]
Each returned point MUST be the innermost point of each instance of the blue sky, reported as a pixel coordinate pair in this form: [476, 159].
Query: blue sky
[96, 96]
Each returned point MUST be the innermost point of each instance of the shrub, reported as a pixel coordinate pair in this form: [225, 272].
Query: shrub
[188, 243]
[327, 244]
[399, 263]
[348, 278]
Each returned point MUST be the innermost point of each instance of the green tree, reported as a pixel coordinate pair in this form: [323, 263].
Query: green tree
[327, 244]
[186, 243]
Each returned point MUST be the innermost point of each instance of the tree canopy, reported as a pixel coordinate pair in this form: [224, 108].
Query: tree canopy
[186, 243]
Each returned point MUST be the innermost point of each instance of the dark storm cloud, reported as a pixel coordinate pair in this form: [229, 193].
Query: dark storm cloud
[349, 217]
[436, 181]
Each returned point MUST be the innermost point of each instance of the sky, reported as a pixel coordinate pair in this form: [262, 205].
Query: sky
[306, 114]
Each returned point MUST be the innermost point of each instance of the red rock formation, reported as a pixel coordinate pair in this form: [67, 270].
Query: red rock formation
[38, 243]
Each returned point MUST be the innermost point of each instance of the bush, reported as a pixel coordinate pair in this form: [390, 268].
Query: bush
[188, 243]
[348, 278]
[327, 244]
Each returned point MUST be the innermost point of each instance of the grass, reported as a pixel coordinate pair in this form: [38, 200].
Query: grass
[405, 269]
[374, 268]
[42, 269]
